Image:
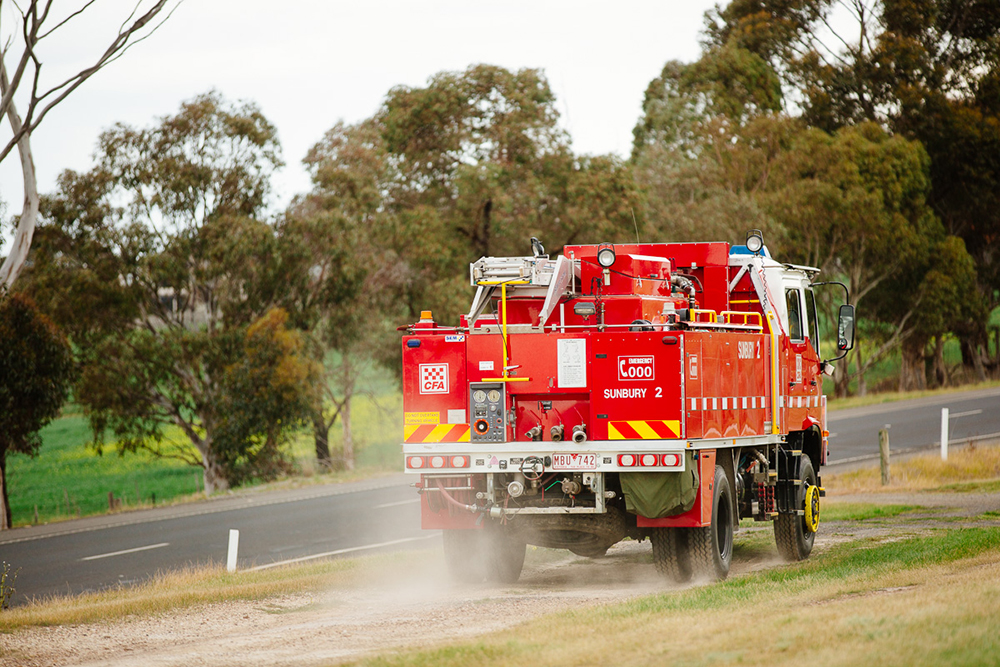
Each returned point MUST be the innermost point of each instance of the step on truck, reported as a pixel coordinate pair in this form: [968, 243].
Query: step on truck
[648, 390]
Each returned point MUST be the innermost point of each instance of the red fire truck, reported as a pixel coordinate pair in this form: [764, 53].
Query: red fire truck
[660, 390]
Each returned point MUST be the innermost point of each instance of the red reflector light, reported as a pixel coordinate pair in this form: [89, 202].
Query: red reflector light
[415, 462]
[459, 462]
[437, 461]
[626, 460]
[649, 460]
[671, 460]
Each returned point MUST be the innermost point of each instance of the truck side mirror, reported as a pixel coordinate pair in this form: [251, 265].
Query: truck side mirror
[845, 328]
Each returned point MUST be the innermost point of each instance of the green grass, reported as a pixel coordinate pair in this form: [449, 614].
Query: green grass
[863, 511]
[67, 469]
[68, 479]
[988, 486]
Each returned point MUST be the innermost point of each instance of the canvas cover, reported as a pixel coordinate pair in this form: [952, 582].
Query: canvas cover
[659, 494]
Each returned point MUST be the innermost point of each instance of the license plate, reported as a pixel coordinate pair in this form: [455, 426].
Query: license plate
[574, 461]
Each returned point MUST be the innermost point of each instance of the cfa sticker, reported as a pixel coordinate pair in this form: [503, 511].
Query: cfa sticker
[433, 378]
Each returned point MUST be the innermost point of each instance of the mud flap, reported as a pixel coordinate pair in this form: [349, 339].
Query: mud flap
[661, 494]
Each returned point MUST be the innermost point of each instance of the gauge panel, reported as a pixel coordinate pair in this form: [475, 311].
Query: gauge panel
[488, 410]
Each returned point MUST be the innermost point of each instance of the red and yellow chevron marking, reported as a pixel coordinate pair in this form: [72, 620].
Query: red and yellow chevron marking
[644, 429]
[436, 433]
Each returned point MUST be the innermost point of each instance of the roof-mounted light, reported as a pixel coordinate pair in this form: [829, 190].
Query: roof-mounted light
[606, 255]
[755, 241]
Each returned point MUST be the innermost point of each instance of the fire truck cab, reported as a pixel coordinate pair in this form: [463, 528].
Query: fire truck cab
[649, 390]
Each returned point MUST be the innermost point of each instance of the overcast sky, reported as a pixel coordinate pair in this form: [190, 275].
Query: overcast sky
[309, 64]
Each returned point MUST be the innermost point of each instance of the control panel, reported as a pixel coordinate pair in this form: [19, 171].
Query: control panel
[487, 406]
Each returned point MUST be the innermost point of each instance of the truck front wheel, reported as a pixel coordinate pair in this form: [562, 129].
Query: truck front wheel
[792, 533]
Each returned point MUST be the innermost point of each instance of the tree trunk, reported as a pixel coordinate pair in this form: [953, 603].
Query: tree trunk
[12, 265]
[6, 519]
[348, 438]
[940, 372]
[321, 436]
[214, 474]
[862, 384]
[972, 355]
[912, 375]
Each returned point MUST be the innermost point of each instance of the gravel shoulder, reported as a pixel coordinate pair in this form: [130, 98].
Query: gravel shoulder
[419, 608]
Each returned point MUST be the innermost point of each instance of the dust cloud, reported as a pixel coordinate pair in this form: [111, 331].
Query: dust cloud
[410, 604]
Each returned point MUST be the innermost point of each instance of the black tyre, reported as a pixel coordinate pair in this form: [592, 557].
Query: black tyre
[791, 534]
[463, 554]
[504, 554]
[671, 554]
[711, 547]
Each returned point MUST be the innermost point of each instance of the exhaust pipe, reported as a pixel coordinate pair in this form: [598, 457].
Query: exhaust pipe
[580, 433]
[557, 432]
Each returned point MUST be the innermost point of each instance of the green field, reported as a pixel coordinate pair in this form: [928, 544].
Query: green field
[68, 479]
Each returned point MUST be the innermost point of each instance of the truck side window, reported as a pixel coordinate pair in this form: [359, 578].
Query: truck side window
[811, 319]
[792, 301]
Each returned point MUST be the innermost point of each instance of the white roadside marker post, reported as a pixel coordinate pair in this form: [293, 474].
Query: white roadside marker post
[944, 434]
[234, 547]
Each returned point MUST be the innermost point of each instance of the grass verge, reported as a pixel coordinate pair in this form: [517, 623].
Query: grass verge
[894, 396]
[922, 601]
[971, 468]
[838, 511]
[195, 586]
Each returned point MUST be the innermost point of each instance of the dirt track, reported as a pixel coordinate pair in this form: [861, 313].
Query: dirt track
[416, 607]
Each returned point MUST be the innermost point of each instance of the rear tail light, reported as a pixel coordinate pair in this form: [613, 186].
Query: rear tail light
[420, 462]
[649, 460]
[671, 460]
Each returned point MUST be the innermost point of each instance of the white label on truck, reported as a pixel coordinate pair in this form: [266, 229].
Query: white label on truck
[433, 378]
[635, 368]
[572, 360]
[456, 417]
[693, 366]
[798, 369]
[485, 365]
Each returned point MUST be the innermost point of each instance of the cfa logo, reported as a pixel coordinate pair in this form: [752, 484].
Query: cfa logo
[433, 378]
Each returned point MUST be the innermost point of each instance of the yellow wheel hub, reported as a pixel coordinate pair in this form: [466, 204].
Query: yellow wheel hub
[812, 508]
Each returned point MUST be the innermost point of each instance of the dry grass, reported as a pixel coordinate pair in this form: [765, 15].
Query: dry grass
[195, 586]
[906, 603]
[966, 469]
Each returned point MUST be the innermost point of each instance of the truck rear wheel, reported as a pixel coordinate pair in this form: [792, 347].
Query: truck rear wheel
[793, 535]
[712, 546]
[504, 554]
[670, 553]
[493, 553]
[463, 554]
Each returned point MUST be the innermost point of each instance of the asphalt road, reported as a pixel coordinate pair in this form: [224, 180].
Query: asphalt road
[362, 517]
[102, 552]
[913, 424]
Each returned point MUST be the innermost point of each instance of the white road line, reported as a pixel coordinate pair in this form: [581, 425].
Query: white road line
[342, 551]
[965, 414]
[127, 551]
[411, 501]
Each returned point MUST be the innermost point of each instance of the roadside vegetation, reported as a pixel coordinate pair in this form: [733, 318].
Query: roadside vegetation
[67, 480]
[970, 468]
